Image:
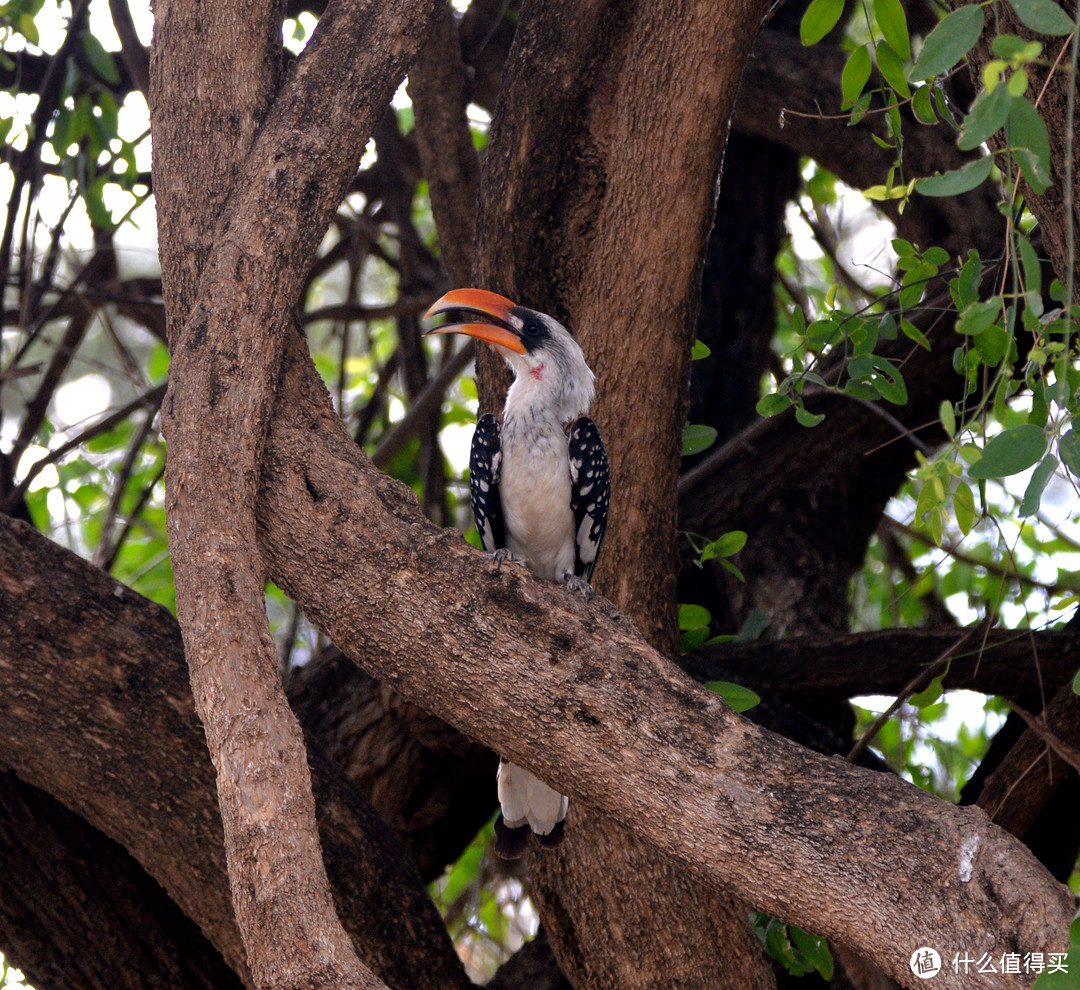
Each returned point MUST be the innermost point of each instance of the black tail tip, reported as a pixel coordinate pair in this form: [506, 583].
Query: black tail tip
[510, 843]
[555, 836]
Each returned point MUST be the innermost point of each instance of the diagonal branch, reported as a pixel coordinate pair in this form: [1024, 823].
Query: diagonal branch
[574, 694]
[95, 741]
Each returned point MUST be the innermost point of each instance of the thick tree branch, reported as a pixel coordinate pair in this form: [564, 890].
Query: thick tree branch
[447, 154]
[224, 364]
[79, 913]
[572, 693]
[131, 710]
[611, 105]
[1013, 663]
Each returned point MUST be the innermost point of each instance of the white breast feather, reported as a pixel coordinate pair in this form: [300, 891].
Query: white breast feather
[536, 505]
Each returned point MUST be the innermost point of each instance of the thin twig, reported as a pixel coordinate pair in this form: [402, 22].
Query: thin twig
[1069, 753]
[151, 399]
[917, 683]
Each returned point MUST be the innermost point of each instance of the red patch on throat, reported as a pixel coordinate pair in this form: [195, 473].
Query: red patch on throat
[537, 372]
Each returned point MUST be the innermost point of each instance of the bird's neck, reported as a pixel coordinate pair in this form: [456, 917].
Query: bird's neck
[541, 393]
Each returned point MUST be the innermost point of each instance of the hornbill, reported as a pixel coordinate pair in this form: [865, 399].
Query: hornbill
[539, 494]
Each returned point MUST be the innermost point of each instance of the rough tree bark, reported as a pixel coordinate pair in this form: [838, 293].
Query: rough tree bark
[606, 711]
[571, 693]
[638, 101]
[122, 748]
[232, 268]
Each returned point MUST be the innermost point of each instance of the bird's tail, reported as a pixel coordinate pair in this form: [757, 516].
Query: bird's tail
[528, 804]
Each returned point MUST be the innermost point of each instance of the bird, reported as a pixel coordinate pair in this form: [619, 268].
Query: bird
[540, 487]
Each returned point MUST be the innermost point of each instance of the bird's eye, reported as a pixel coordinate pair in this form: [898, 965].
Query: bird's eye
[532, 328]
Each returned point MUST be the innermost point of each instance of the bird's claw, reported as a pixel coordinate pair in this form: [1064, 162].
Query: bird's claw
[505, 556]
[575, 583]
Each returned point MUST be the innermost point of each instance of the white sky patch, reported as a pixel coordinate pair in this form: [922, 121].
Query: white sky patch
[77, 401]
[456, 441]
[48, 477]
[963, 708]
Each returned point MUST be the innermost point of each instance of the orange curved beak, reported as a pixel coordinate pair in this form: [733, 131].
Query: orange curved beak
[496, 308]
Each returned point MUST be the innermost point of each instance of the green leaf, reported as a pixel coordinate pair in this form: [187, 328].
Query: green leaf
[728, 566]
[929, 694]
[891, 67]
[912, 332]
[158, 363]
[978, 316]
[693, 638]
[693, 617]
[100, 60]
[964, 507]
[1063, 978]
[697, 438]
[820, 18]
[949, 42]
[1010, 46]
[947, 416]
[993, 344]
[881, 375]
[739, 698]
[966, 285]
[988, 115]
[773, 404]
[807, 418]
[893, 23]
[728, 544]
[1026, 132]
[856, 74]
[1043, 16]
[814, 949]
[28, 27]
[1010, 453]
[1029, 260]
[1037, 485]
[922, 105]
[701, 350]
[936, 256]
[958, 180]
[1069, 449]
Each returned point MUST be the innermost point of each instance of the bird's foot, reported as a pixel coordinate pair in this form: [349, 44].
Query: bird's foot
[505, 556]
[575, 583]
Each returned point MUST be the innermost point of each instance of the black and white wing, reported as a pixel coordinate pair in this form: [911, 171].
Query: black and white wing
[485, 460]
[590, 493]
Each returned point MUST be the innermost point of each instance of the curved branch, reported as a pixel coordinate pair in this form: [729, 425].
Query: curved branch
[571, 692]
[95, 741]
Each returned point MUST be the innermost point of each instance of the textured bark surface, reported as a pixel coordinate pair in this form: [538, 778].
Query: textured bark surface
[1003, 661]
[228, 311]
[131, 709]
[588, 185]
[572, 693]
[638, 100]
[431, 784]
[84, 913]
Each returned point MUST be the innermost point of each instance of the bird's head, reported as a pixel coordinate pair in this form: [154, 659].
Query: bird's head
[542, 353]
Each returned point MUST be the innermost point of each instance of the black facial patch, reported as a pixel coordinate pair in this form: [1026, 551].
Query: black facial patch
[534, 332]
